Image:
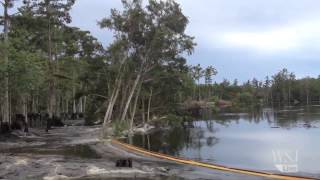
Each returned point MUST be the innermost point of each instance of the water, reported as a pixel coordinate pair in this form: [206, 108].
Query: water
[284, 141]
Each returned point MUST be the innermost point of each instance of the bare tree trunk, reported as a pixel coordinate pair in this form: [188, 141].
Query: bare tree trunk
[33, 108]
[135, 84]
[37, 104]
[25, 113]
[50, 104]
[109, 108]
[149, 106]
[123, 98]
[57, 106]
[108, 114]
[10, 109]
[149, 144]
[113, 98]
[112, 101]
[51, 97]
[81, 105]
[84, 104]
[67, 106]
[143, 111]
[135, 107]
[74, 106]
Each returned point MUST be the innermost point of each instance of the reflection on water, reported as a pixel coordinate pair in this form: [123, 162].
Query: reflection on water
[285, 141]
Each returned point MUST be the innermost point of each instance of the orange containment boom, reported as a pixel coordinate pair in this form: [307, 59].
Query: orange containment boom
[208, 165]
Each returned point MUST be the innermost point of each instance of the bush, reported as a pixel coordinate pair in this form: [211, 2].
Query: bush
[119, 127]
[173, 120]
[246, 98]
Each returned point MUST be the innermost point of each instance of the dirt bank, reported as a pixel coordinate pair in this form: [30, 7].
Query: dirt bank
[77, 152]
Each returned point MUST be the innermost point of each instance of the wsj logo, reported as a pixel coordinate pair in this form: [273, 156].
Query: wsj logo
[285, 161]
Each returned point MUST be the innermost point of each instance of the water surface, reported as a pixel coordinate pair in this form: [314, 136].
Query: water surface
[286, 141]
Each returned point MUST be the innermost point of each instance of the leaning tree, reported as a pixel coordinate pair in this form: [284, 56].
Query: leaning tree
[145, 38]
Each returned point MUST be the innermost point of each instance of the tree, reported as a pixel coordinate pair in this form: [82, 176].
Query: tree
[267, 84]
[146, 37]
[53, 14]
[291, 80]
[198, 73]
[209, 72]
[4, 20]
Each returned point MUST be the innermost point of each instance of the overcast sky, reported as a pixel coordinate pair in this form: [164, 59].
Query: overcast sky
[242, 39]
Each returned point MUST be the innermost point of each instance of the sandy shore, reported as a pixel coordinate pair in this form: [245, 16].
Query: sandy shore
[77, 152]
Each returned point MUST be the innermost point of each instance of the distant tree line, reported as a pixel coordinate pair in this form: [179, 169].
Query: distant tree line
[281, 89]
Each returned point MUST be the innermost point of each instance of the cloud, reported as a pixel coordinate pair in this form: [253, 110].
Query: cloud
[278, 39]
[242, 39]
[274, 40]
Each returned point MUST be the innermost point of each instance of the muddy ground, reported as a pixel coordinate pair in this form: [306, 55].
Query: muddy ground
[77, 152]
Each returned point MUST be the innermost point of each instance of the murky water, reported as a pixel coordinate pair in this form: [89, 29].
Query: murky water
[285, 141]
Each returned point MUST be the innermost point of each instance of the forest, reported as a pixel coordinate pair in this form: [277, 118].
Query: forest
[279, 90]
[51, 71]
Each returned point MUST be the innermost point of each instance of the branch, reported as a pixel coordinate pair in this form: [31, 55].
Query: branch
[16, 13]
[98, 95]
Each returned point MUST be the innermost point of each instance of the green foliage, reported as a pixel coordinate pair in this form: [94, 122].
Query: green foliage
[119, 128]
[246, 99]
[283, 89]
[173, 120]
[147, 59]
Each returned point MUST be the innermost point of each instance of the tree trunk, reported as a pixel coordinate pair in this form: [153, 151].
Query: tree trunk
[51, 96]
[123, 99]
[5, 125]
[84, 104]
[67, 106]
[112, 101]
[135, 84]
[135, 107]
[25, 113]
[194, 92]
[81, 105]
[289, 96]
[143, 111]
[149, 106]
[209, 91]
[74, 106]
[114, 95]
[10, 108]
[57, 107]
[199, 97]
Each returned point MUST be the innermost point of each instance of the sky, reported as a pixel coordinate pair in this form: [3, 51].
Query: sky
[241, 39]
